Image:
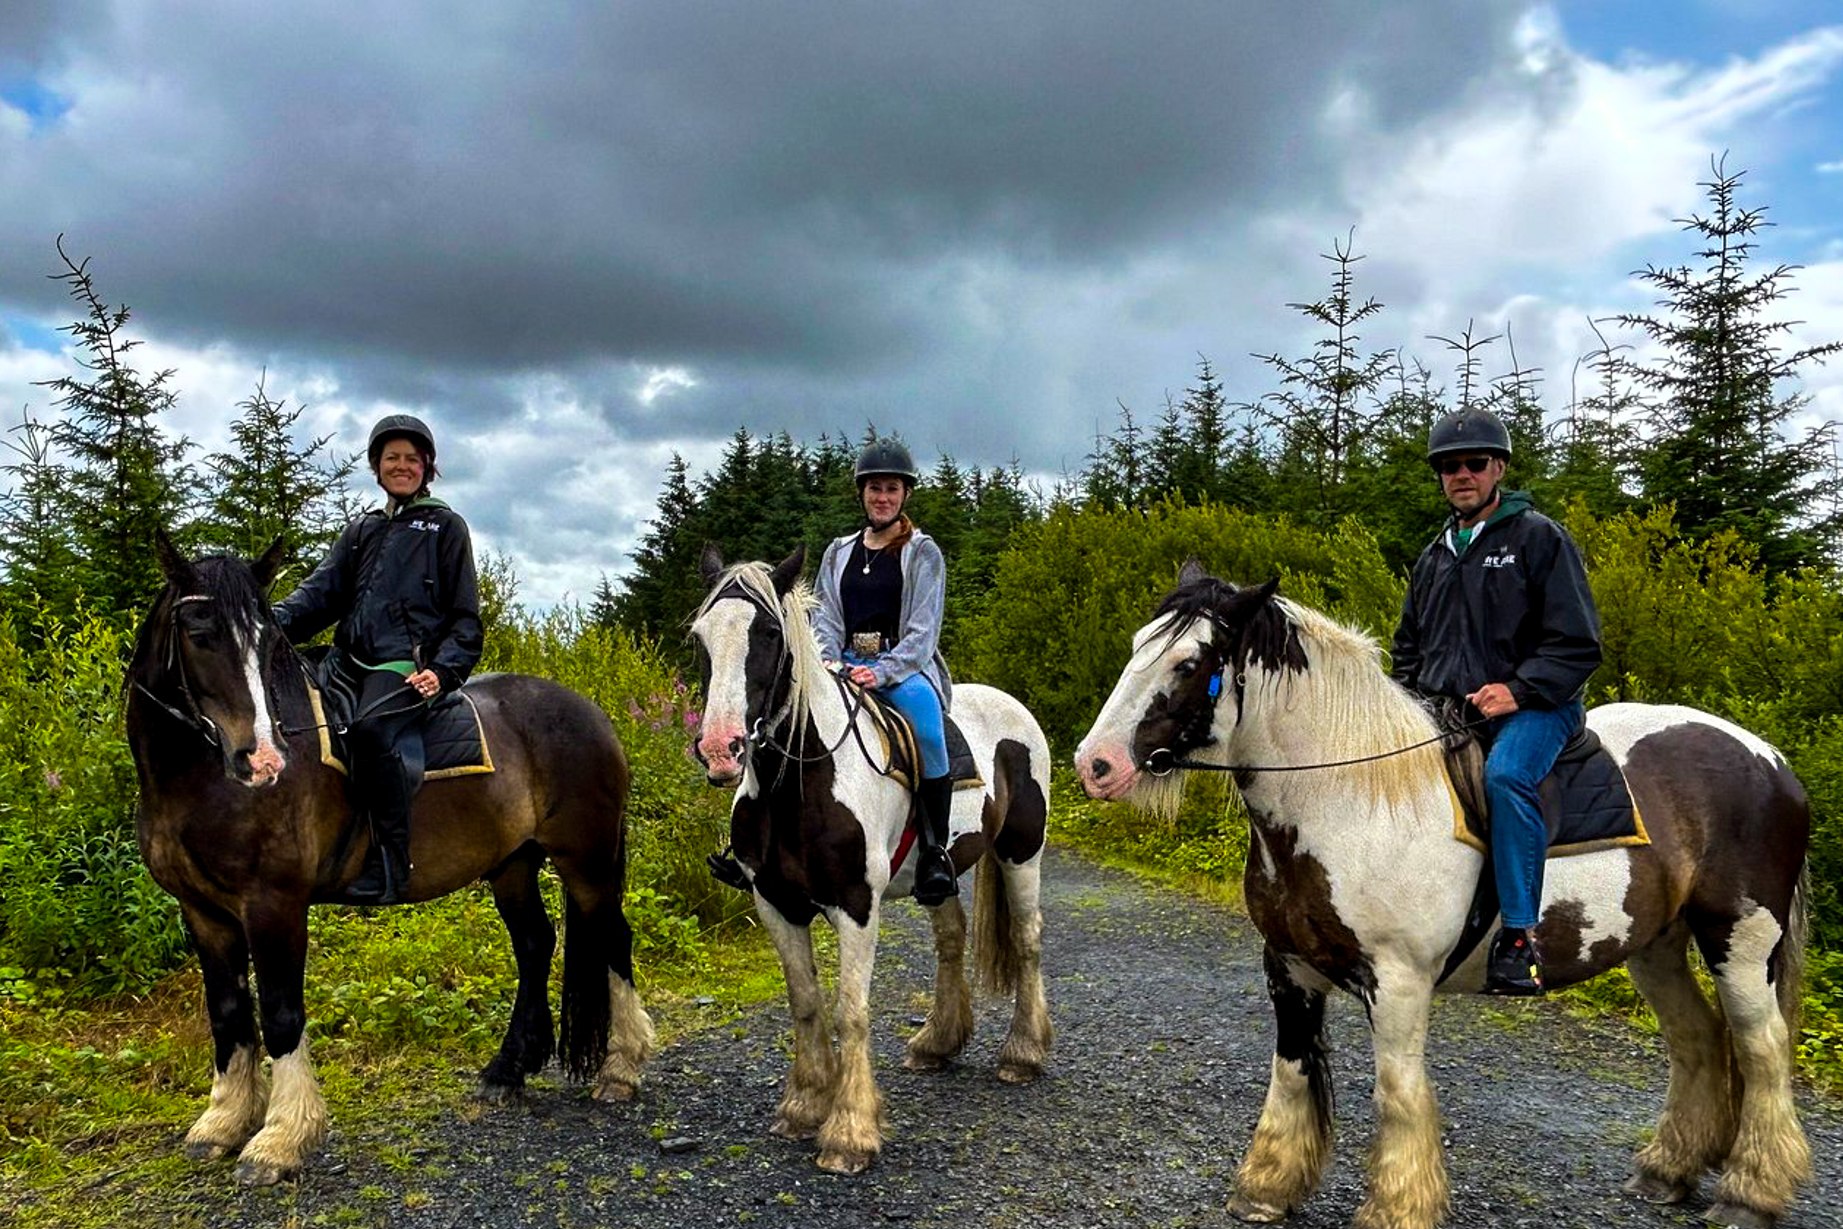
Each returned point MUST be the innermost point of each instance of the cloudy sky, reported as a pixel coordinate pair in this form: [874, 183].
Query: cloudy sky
[580, 236]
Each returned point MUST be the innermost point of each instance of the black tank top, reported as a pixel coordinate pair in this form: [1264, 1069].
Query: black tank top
[871, 594]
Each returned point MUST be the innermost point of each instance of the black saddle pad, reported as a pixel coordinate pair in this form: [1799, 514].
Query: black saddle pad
[904, 757]
[453, 736]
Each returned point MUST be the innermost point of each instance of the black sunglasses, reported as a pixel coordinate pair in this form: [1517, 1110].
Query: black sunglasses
[1452, 465]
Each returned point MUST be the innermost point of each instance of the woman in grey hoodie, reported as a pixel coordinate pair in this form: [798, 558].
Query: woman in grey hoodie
[881, 593]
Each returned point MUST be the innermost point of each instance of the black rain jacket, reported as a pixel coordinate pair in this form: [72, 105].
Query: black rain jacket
[1513, 608]
[401, 587]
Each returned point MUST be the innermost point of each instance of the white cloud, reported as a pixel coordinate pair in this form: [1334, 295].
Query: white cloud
[662, 382]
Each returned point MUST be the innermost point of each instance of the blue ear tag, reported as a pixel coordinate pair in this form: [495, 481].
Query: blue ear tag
[1215, 685]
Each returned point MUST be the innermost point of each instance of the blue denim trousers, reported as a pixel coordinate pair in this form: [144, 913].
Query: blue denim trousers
[1523, 750]
[917, 699]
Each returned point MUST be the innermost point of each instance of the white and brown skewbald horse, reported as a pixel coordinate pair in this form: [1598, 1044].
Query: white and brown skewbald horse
[816, 825]
[1356, 882]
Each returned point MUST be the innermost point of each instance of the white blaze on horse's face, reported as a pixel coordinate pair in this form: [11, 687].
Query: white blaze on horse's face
[266, 761]
[723, 734]
[1106, 760]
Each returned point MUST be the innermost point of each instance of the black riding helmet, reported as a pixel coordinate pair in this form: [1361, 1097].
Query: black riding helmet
[1468, 430]
[886, 457]
[402, 426]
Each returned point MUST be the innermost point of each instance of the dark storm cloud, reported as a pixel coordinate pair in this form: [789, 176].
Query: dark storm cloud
[490, 187]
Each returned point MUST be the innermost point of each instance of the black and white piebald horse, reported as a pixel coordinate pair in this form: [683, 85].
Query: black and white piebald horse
[1356, 882]
[242, 822]
[818, 828]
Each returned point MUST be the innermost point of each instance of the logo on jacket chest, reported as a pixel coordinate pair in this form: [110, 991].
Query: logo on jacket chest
[1498, 559]
[424, 526]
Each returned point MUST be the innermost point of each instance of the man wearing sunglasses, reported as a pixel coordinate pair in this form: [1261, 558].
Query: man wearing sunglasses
[1498, 614]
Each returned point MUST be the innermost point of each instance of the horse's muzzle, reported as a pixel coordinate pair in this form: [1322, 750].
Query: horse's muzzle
[1105, 772]
[257, 768]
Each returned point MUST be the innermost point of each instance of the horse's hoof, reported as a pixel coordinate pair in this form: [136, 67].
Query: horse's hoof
[846, 1161]
[615, 1090]
[788, 1128]
[204, 1150]
[1653, 1189]
[1254, 1211]
[1018, 1073]
[489, 1093]
[262, 1173]
[923, 1062]
[1735, 1216]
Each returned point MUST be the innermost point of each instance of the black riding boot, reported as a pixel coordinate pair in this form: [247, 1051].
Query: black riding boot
[387, 798]
[934, 873]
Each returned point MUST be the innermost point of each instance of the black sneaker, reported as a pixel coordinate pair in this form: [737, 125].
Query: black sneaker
[725, 869]
[1515, 964]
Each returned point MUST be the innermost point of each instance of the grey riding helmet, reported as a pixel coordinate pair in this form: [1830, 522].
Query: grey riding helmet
[401, 426]
[1468, 430]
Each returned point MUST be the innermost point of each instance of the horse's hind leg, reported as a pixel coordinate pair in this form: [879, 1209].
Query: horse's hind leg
[1292, 1140]
[607, 1035]
[238, 1098]
[1770, 1157]
[530, 1036]
[296, 1122]
[1008, 952]
[807, 1098]
[1696, 1127]
[950, 1018]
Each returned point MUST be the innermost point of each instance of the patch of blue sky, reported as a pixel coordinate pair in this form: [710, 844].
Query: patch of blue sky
[41, 104]
[31, 335]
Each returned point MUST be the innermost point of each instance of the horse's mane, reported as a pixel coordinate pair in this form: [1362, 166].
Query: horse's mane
[1352, 703]
[794, 611]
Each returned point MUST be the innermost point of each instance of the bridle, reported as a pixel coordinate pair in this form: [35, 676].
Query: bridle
[192, 717]
[1163, 761]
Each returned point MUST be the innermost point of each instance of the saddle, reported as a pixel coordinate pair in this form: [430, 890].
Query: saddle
[1585, 801]
[453, 736]
[901, 755]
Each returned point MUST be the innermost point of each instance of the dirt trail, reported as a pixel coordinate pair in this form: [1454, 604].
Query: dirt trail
[1151, 1093]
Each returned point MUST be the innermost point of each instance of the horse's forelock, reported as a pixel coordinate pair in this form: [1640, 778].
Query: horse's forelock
[228, 582]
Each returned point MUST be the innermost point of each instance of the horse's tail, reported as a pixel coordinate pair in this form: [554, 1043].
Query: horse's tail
[588, 952]
[1789, 962]
[997, 955]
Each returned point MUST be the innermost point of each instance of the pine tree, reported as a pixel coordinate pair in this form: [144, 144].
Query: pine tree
[266, 488]
[37, 557]
[1718, 446]
[126, 475]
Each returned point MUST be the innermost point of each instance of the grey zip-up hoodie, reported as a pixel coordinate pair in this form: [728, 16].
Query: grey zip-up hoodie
[924, 599]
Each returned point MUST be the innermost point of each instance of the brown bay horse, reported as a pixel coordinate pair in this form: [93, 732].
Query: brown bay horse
[1357, 883]
[242, 823]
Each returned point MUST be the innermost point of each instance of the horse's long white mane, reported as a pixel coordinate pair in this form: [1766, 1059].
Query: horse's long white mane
[795, 613]
[1349, 703]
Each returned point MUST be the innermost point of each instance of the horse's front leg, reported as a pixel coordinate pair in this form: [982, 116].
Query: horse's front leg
[238, 1098]
[1292, 1141]
[1407, 1169]
[296, 1121]
[853, 1133]
[807, 1099]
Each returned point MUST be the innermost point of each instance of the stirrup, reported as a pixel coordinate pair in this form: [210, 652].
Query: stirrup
[935, 883]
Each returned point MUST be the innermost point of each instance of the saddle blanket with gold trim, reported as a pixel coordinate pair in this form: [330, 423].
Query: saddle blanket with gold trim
[453, 738]
[1586, 804]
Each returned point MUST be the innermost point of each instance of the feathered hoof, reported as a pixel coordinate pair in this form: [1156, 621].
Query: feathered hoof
[1018, 1073]
[205, 1150]
[1735, 1216]
[615, 1088]
[1653, 1189]
[923, 1062]
[1255, 1212]
[489, 1092]
[793, 1128]
[264, 1173]
[845, 1160]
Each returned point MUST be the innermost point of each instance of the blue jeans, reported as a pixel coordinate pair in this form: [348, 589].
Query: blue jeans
[1523, 750]
[917, 699]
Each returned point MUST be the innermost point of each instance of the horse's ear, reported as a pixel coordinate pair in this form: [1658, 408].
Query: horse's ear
[710, 563]
[789, 569]
[1190, 573]
[269, 566]
[174, 566]
[1268, 590]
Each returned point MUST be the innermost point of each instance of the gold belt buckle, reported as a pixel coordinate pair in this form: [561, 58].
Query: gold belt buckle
[866, 644]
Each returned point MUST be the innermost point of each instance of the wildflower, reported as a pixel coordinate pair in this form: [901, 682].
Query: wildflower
[53, 779]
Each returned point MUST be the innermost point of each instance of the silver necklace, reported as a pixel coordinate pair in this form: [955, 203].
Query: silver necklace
[870, 556]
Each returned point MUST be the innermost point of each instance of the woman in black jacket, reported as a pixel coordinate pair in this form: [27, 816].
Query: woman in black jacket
[400, 584]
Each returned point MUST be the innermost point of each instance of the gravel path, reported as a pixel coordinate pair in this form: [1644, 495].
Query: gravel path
[1151, 1093]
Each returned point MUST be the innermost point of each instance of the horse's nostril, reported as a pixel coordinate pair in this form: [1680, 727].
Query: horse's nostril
[1100, 768]
[736, 748]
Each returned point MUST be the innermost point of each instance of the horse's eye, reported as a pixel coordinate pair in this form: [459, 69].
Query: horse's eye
[1187, 668]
